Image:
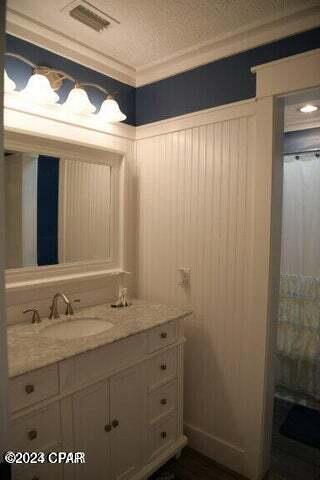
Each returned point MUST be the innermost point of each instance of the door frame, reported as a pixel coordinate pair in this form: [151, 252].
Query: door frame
[4, 470]
[274, 81]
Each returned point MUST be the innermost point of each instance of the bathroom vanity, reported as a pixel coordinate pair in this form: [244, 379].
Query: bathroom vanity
[115, 395]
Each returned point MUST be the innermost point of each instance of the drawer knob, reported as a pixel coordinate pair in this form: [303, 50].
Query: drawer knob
[32, 434]
[163, 401]
[108, 428]
[35, 478]
[115, 423]
[163, 334]
[163, 366]
[29, 388]
[163, 434]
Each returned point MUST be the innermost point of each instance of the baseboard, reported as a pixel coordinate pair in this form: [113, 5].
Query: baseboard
[215, 448]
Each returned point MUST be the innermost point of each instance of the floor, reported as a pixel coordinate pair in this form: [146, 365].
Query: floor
[292, 460]
[194, 466]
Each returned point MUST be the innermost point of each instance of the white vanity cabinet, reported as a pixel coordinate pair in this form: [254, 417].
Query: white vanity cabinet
[90, 415]
[121, 404]
[107, 425]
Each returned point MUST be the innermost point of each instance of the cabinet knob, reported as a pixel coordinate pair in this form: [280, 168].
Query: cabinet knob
[35, 478]
[107, 428]
[163, 334]
[163, 434]
[115, 423]
[163, 401]
[29, 388]
[163, 366]
[32, 435]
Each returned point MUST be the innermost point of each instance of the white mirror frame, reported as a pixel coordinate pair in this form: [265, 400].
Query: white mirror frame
[41, 131]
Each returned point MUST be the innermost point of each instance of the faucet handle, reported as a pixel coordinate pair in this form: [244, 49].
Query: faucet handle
[35, 315]
[70, 309]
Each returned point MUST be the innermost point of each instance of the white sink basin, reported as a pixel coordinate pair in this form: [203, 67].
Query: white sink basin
[76, 328]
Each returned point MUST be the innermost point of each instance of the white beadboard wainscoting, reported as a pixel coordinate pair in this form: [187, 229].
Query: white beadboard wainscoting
[195, 203]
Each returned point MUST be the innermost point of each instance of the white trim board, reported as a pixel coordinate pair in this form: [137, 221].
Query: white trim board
[288, 75]
[260, 33]
[196, 119]
[215, 447]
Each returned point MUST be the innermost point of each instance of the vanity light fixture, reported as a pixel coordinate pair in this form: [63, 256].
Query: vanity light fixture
[308, 108]
[78, 102]
[110, 111]
[44, 81]
[39, 91]
[9, 85]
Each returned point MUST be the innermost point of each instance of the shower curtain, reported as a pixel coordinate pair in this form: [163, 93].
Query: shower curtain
[299, 309]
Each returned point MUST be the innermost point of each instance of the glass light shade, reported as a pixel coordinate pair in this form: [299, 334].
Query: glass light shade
[38, 90]
[9, 85]
[78, 102]
[110, 111]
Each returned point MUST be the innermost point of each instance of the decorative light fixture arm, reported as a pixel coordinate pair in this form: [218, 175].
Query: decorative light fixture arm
[45, 82]
[20, 57]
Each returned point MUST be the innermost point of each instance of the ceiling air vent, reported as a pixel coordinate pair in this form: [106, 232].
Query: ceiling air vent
[89, 15]
[89, 18]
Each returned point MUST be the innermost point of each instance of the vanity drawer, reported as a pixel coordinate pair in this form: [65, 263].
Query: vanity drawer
[162, 434]
[33, 387]
[40, 471]
[162, 336]
[36, 431]
[162, 368]
[101, 362]
[162, 401]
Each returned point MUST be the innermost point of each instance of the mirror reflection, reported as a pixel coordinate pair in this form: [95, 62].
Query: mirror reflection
[56, 210]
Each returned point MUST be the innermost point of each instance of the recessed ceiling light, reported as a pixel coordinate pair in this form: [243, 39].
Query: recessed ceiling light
[308, 108]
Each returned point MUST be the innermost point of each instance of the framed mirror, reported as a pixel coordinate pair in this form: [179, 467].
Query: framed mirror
[62, 208]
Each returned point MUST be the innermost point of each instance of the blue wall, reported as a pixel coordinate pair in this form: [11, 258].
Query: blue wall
[47, 206]
[217, 83]
[20, 73]
[221, 82]
[301, 140]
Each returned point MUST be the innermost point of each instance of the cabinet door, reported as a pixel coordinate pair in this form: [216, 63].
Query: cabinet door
[126, 414]
[90, 416]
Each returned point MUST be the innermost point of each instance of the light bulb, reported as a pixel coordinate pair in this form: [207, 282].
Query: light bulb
[9, 85]
[110, 111]
[78, 102]
[38, 90]
[308, 108]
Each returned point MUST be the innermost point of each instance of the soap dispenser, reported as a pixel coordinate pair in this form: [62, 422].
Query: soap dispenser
[122, 299]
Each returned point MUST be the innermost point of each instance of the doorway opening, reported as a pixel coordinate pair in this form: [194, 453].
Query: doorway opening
[295, 453]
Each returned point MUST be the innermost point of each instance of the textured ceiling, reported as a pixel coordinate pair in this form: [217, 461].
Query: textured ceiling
[153, 30]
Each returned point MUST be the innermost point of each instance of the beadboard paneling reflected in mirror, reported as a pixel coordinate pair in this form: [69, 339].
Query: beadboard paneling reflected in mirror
[58, 210]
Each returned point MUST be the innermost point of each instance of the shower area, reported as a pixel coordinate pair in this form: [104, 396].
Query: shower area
[296, 432]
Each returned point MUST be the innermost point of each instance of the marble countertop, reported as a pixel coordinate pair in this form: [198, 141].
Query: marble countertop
[29, 349]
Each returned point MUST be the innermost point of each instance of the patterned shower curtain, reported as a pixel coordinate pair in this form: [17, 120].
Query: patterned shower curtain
[299, 309]
[299, 334]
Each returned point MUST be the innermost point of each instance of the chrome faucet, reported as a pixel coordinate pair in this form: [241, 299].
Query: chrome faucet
[54, 307]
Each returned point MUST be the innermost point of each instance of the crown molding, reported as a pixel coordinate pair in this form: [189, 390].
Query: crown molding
[35, 32]
[240, 40]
